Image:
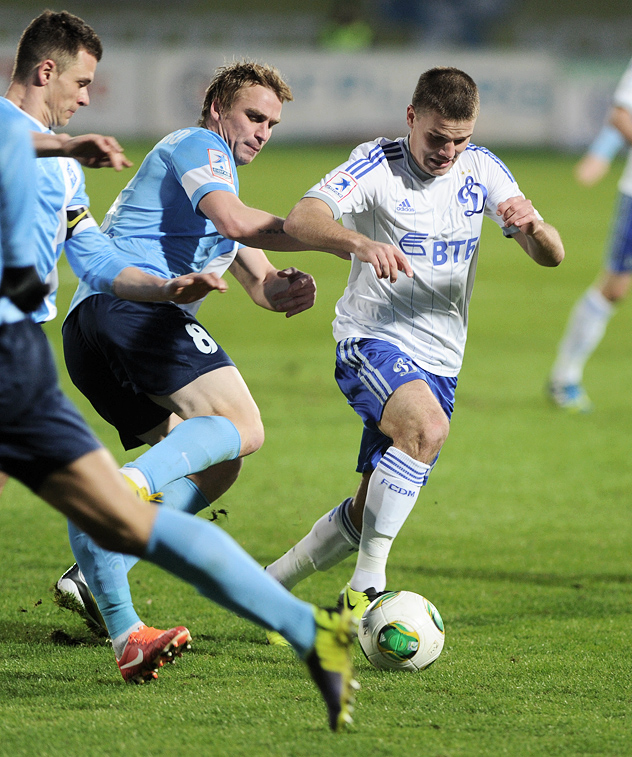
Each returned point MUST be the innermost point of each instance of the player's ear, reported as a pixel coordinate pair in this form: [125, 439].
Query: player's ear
[44, 72]
[410, 116]
[215, 111]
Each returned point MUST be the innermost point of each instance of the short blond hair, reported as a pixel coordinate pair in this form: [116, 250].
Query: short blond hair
[230, 79]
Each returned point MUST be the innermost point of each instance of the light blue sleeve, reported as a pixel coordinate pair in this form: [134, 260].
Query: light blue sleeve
[91, 254]
[17, 193]
[202, 163]
[94, 259]
[607, 143]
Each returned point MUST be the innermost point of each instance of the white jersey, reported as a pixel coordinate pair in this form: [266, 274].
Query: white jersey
[382, 193]
[623, 99]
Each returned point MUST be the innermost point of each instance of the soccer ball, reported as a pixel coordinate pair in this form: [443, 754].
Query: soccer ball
[401, 630]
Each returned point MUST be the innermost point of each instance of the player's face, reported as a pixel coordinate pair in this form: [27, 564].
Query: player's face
[68, 91]
[247, 126]
[435, 142]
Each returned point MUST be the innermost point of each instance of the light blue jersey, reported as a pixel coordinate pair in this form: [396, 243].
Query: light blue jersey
[17, 201]
[155, 224]
[63, 222]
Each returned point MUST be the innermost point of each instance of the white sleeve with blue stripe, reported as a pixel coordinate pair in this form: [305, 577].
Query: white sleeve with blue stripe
[357, 185]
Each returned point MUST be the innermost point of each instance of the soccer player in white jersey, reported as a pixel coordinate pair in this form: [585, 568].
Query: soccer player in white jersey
[400, 344]
[591, 314]
[55, 63]
[46, 445]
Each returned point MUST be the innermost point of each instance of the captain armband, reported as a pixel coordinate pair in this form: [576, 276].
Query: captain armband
[78, 219]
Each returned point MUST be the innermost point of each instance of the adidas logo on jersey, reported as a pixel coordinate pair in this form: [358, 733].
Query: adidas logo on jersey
[404, 207]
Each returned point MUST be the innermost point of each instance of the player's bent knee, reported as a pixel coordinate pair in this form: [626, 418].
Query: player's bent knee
[439, 432]
[252, 437]
[615, 287]
[424, 443]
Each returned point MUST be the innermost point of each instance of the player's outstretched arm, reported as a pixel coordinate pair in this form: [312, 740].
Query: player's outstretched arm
[288, 291]
[621, 119]
[91, 150]
[312, 222]
[594, 165]
[134, 284]
[538, 239]
[252, 227]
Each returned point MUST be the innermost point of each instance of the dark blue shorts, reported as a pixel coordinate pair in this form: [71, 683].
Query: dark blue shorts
[368, 371]
[118, 351]
[40, 430]
[619, 248]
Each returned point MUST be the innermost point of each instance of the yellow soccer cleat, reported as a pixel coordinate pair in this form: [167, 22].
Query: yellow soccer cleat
[276, 640]
[357, 602]
[329, 663]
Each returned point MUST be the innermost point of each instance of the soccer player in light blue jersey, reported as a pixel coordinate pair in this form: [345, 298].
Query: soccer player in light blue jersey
[152, 369]
[591, 314]
[55, 64]
[401, 343]
[46, 445]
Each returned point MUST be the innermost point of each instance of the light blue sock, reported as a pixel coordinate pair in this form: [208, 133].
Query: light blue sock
[106, 574]
[192, 446]
[182, 495]
[207, 557]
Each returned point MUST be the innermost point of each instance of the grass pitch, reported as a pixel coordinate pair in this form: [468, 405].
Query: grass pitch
[522, 538]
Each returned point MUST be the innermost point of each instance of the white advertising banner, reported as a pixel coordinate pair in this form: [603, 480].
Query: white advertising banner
[526, 99]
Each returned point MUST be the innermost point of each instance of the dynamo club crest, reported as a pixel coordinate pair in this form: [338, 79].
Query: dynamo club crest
[474, 195]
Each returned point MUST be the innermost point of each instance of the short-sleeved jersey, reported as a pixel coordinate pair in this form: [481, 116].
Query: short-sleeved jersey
[623, 99]
[17, 201]
[155, 220]
[63, 222]
[436, 221]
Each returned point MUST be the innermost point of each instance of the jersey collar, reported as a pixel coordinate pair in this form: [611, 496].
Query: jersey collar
[412, 163]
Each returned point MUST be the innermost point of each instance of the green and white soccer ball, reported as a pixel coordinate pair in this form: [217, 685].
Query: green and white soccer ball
[401, 630]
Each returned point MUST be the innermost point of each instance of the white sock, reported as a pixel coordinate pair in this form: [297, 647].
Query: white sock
[136, 476]
[585, 329]
[118, 644]
[332, 538]
[393, 490]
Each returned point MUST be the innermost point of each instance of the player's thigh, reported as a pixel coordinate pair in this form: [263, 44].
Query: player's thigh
[220, 392]
[92, 493]
[390, 392]
[412, 411]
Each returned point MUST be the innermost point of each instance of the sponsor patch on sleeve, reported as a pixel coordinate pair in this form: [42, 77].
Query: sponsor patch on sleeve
[340, 185]
[220, 166]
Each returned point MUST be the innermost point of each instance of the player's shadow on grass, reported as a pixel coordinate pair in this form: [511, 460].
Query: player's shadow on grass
[33, 631]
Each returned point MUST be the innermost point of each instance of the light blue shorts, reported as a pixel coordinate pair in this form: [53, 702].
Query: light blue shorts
[368, 371]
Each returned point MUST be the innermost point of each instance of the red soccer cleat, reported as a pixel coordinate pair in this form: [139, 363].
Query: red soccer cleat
[148, 649]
